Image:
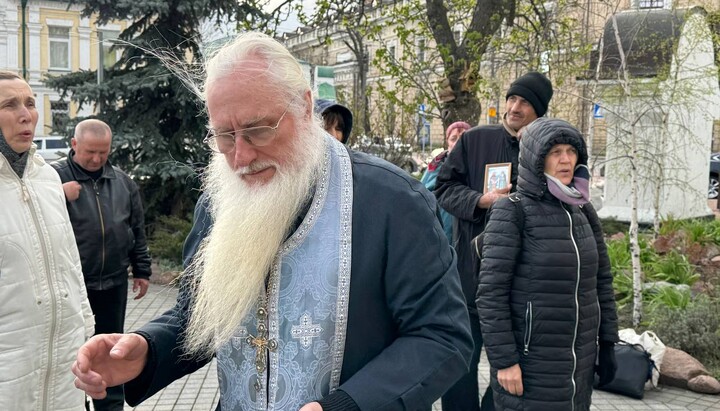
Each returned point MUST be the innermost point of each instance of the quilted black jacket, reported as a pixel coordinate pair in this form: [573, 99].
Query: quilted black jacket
[545, 293]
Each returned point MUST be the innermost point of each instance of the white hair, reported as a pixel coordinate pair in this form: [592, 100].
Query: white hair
[283, 74]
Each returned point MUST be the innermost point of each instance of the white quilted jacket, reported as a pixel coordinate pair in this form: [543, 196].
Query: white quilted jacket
[44, 312]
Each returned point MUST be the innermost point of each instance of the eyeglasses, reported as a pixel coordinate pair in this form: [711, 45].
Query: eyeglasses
[256, 136]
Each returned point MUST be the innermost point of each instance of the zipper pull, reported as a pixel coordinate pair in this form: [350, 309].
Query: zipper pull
[26, 194]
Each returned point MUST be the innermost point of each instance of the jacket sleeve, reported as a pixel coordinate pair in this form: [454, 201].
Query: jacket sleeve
[452, 188]
[605, 292]
[501, 247]
[166, 361]
[420, 289]
[139, 255]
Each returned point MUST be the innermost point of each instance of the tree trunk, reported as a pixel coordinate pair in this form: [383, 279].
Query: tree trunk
[634, 238]
[633, 234]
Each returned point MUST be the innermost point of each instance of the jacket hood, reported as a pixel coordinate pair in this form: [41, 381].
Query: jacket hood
[536, 141]
[323, 106]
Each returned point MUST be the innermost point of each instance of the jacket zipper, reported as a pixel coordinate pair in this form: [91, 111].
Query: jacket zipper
[528, 327]
[102, 231]
[597, 338]
[53, 301]
[577, 304]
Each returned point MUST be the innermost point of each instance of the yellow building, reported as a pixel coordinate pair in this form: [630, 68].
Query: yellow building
[56, 40]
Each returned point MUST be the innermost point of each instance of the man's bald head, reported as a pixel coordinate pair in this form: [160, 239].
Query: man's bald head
[92, 128]
[91, 144]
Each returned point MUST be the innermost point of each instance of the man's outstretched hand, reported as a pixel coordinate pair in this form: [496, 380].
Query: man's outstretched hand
[108, 360]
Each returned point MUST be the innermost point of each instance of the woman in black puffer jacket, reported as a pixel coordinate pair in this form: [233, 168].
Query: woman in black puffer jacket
[545, 295]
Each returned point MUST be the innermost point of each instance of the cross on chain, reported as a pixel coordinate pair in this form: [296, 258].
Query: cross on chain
[262, 344]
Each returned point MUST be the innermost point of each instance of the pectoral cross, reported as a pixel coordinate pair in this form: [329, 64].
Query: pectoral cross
[262, 344]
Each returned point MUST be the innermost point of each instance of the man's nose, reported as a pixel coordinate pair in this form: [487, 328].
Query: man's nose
[244, 154]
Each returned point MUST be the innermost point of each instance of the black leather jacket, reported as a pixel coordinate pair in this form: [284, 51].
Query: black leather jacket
[109, 225]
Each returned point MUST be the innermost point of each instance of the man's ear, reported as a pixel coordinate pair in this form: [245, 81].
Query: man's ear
[309, 103]
[73, 143]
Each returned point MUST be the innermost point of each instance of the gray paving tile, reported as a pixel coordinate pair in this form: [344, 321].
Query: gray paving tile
[199, 392]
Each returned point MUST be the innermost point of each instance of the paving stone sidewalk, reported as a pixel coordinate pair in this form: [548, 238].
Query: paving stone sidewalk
[199, 391]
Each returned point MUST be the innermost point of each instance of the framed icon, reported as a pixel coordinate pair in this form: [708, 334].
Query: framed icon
[497, 175]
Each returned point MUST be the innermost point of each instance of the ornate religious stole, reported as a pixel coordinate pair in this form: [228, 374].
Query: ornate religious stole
[290, 350]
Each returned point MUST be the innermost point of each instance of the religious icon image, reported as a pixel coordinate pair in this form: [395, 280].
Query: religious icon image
[497, 175]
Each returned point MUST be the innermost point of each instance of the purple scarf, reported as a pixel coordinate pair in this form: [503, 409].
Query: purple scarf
[577, 193]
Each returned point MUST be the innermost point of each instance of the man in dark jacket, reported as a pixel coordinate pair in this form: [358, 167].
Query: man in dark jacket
[108, 221]
[459, 190]
[306, 280]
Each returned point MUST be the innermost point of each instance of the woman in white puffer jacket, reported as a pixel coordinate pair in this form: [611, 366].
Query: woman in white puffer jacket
[44, 312]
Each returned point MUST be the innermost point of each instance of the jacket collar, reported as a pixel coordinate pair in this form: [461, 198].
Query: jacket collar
[32, 162]
[78, 172]
[508, 128]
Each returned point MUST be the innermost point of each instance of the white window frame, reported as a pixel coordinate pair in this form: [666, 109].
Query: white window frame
[65, 24]
[392, 49]
[420, 49]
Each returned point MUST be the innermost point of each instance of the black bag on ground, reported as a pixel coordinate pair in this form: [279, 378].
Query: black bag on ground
[634, 368]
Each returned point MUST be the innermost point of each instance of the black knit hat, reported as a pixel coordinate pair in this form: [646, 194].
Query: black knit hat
[535, 88]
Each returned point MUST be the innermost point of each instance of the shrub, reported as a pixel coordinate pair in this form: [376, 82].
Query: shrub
[673, 267]
[695, 329]
[612, 226]
[167, 238]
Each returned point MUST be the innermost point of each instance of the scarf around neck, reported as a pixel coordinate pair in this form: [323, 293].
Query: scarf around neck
[577, 193]
[17, 161]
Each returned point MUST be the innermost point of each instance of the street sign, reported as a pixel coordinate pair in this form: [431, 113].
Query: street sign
[598, 111]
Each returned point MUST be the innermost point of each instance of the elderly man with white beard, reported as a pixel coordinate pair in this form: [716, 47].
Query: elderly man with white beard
[319, 278]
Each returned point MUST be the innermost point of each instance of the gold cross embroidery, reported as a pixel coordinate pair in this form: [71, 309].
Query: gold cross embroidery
[262, 344]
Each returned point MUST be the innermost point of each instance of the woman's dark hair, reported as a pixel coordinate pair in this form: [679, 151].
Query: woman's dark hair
[331, 118]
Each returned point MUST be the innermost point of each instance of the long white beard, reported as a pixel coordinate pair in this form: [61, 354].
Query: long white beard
[250, 224]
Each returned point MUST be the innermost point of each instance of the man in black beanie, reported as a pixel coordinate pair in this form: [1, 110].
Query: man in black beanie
[460, 191]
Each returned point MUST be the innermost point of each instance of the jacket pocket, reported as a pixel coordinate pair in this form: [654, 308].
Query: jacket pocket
[528, 327]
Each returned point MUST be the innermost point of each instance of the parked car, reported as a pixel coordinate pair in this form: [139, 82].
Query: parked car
[52, 148]
[391, 149]
[714, 182]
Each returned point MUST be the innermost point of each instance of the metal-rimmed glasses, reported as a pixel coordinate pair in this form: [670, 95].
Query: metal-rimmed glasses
[256, 136]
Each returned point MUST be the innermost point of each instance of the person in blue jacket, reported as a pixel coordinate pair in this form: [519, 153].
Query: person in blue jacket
[337, 119]
[305, 279]
[452, 135]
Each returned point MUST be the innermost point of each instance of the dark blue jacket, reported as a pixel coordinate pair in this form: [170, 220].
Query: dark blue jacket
[408, 336]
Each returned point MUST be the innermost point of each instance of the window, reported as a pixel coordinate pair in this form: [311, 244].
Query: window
[392, 49]
[59, 38]
[421, 49]
[651, 4]
[110, 57]
[60, 112]
[55, 143]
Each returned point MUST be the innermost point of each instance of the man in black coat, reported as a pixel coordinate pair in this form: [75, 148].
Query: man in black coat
[459, 190]
[109, 224]
[306, 281]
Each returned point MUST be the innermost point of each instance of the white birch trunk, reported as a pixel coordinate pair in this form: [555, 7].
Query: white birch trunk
[633, 234]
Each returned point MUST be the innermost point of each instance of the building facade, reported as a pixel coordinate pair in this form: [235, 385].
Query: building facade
[56, 39]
